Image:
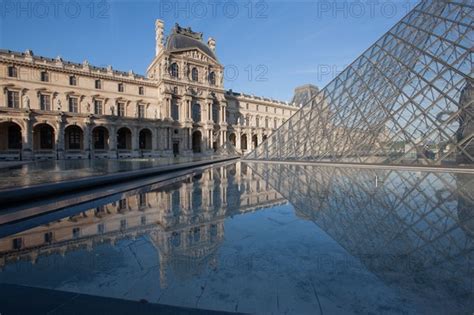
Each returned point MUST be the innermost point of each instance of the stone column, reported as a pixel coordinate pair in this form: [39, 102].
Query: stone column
[113, 142]
[59, 139]
[87, 140]
[170, 137]
[259, 137]
[237, 140]
[154, 140]
[168, 107]
[135, 142]
[211, 139]
[27, 135]
[190, 138]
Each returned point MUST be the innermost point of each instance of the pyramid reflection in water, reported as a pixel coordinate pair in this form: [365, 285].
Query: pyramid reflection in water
[403, 225]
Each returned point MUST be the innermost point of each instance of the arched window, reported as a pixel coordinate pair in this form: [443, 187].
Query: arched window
[212, 78]
[196, 112]
[195, 75]
[174, 109]
[174, 70]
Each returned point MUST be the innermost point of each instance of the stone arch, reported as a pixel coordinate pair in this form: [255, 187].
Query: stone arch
[10, 136]
[44, 137]
[100, 138]
[74, 138]
[124, 139]
[145, 139]
[197, 141]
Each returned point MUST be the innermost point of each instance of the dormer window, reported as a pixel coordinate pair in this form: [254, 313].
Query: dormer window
[141, 90]
[98, 84]
[212, 78]
[12, 72]
[44, 76]
[195, 75]
[73, 80]
[174, 70]
[120, 87]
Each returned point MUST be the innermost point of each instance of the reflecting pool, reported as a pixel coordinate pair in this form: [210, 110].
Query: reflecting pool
[267, 238]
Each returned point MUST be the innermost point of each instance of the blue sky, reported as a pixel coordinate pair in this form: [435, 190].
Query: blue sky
[268, 47]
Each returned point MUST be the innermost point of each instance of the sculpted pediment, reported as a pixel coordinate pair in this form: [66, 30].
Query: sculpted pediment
[197, 54]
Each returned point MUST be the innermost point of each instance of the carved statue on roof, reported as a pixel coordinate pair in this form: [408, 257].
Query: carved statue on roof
[187, 31]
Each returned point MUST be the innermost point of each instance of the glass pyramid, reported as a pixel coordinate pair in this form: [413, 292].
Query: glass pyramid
[408, 99]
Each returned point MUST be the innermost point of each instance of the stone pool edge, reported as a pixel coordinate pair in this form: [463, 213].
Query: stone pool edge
[22, 194]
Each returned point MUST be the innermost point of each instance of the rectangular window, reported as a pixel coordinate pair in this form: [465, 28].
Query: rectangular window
[73, 104]
[12, 72]
[76, 232]
[44, 76]
[120, 87]
[141, 90]
[98, 84]
[121, 109]
[100, 228]
[17, 243]
[141, 111]
[73, 80]
[142, 200]
[98, 109]
[123, 204]
[45, 102]
[13, 99]
[48, 237]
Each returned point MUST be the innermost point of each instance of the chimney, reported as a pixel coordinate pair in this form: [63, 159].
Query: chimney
[159, 28]
[211, 42]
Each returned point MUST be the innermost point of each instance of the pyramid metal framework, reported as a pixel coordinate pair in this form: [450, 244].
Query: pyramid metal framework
[408, 99]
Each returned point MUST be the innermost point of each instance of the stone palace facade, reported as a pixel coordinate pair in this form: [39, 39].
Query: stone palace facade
[55, 109]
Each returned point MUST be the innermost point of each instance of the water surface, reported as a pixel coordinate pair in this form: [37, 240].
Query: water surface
[268, 238]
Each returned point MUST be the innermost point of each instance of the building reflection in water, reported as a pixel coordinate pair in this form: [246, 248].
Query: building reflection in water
[414, 229]
[184, 221]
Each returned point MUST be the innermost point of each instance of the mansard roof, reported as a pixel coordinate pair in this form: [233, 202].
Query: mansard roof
[184, 38]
